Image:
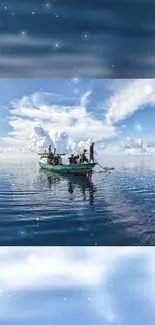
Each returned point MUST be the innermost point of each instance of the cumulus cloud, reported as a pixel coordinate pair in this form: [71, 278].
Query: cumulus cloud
[69, 126]
[80, 146]
[39, 139]
[61, 141]
[66, 126]
[76, 120]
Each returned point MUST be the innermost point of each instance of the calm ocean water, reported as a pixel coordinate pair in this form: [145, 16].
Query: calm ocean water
[39, 208]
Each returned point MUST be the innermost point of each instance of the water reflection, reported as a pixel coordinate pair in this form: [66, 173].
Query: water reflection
[53, 180]
[73, 183]
[86, 186]
[140, 164]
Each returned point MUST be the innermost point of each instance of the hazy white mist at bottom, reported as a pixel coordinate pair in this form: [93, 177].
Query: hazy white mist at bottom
[98, 285]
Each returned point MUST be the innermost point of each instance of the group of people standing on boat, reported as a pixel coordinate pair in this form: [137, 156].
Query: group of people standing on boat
[82, 158]
[55, 159]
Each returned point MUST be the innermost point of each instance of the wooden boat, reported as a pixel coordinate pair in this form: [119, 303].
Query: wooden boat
[84, 169]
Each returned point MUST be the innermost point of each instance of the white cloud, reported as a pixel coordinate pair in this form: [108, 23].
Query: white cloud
[69, 127]
[129, 99]
[88, 269]
[133, 143]
[39, 139]
[37, 267]
[58, 120]
[84, 98]
[61, 141]
[151, 144]
[139, 147]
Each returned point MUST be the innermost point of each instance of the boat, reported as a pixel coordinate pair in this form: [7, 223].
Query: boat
[83, 169]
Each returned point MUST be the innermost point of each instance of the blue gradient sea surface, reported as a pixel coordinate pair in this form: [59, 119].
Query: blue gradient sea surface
[39, 208]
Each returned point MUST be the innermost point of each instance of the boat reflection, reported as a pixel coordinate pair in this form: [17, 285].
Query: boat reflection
[85, 184]
[53, 180]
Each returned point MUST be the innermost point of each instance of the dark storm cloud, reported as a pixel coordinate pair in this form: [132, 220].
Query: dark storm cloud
[59, 38]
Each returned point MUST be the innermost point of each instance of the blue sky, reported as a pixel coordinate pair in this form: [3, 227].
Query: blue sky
[77, 286]
[83, 108]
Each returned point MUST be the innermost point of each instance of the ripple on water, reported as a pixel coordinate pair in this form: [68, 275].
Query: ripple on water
[39, 208]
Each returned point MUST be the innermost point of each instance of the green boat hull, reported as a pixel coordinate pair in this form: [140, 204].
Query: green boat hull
[77, 169]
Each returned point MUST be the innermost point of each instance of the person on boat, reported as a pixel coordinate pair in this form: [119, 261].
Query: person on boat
[76, 159]
[49, 149]
[83, 156]
[91, 152]
[55, 161]
[59, 160]
[80, 158]
[71, 159]
[51, 157]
